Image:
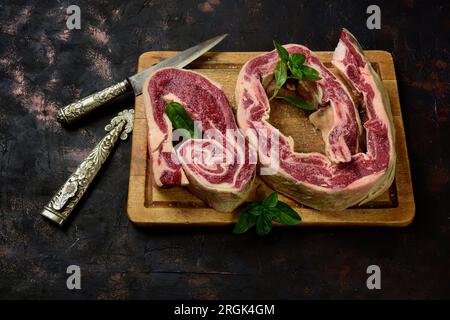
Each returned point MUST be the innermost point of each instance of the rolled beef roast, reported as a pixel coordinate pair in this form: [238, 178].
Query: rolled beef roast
[345, 175]
[220, 167]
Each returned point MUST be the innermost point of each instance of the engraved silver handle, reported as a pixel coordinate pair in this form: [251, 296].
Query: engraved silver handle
[78, 109]
[61, 205]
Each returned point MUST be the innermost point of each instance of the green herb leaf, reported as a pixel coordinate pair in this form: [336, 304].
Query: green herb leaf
[180, 118]
[295, 64]
[280, 77]
[286, 214]
[271, 200]
[297, 59]
[245, 222]
[263, 225]
[284, 207]
[282, 52]
[271, 213]
[255, 209]
[296, 72]
[286, 219]
[297, 102]
[310, 74]
[262, 213]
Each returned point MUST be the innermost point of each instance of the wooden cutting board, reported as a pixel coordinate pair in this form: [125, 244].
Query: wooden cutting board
[149, 205]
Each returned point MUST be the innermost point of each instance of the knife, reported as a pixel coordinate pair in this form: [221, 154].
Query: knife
[60, 207]
[74, 111]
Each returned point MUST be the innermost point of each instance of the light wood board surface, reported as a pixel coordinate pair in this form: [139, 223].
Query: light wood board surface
[149, 205]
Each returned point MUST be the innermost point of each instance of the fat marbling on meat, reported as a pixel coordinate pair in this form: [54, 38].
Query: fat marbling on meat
[218, 166]
[345, 175]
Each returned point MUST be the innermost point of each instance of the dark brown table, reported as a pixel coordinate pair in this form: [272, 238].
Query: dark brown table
[44, 66]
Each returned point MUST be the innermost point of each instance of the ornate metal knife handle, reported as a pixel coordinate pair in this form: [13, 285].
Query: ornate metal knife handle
[62, 204]
[78, 109]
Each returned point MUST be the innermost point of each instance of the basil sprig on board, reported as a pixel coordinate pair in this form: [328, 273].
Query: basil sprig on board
[180, 118]
[292, 67]
[261, 215]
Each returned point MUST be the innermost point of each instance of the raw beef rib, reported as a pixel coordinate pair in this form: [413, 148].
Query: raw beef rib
[220, 168]
[345, 176]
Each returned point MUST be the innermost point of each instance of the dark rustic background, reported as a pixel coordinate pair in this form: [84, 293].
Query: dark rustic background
[43, 66]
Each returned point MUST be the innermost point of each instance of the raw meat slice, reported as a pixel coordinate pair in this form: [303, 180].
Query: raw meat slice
[345, 176]
[351, 62]
[220, 168]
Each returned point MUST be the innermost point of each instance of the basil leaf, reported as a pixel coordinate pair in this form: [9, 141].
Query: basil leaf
[263, 225]
[180, 118]
[262, 214]
[271, 200]
[311, 77]
[280, 73]
[297, 59]
[245, 222]
[286, 219]
[282, 52]
[295, 64]
[271, 213]
[297, 102]
[254, 208]
[284, 207]
[310, 73]
[286, 214]
[296, 71]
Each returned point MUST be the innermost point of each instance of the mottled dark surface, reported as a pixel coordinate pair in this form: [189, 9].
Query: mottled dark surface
[43, 66]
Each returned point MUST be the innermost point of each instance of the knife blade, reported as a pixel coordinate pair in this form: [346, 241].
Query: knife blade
[74, 111]
[178, 61]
